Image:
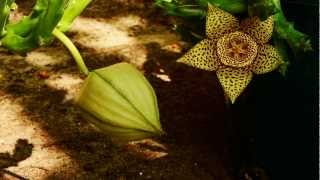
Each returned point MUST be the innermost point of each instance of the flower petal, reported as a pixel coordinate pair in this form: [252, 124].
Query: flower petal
[203, 55]
[261, 31]
[234, 81]
[219, 22]
[267, 60]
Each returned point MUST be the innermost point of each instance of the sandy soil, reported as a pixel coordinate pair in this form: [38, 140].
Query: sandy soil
[36, 93]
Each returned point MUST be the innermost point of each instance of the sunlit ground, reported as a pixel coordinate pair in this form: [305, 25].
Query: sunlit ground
[14, 125]
[118, 36]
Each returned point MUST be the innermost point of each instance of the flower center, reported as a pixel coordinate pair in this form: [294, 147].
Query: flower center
[237, 49]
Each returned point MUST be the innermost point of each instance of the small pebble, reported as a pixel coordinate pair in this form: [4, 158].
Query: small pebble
[43, 74]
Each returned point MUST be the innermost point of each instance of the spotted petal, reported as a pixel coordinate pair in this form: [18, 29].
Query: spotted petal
[219, 23]
[261, 31]
[234, 81]
[267, 60]
[203, 55]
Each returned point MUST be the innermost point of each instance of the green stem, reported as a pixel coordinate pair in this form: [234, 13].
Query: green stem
[72, 49]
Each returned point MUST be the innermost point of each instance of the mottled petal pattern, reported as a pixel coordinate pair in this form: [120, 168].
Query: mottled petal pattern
[219, 23]
[234, 81]
[268, 59]
[261, 31]
[203, 56]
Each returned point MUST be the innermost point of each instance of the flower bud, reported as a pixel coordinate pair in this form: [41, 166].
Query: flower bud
[120, 102]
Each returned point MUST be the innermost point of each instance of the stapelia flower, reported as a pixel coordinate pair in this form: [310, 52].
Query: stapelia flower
[234, 50]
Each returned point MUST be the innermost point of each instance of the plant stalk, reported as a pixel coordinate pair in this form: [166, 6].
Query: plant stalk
[72, 49]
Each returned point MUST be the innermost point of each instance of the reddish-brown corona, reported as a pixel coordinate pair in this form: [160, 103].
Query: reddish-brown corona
[236, 49]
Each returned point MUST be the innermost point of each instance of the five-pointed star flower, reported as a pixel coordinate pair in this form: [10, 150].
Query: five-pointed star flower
[234, 50]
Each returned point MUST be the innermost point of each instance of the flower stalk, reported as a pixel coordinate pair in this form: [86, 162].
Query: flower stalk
[72, 49]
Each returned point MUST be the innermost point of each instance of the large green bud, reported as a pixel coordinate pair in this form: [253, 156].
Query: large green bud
[120, 102]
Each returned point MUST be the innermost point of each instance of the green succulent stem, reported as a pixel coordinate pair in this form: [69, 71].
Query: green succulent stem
[232, 6]
[187, 9]
[283, 28]
[73, 10]
[72, 49]
[5, 6]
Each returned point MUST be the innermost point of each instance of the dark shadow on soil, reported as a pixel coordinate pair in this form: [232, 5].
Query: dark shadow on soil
[22, 150]
[194, 111]
[192, 104]
[26, 6]
[95, 59]
[192, 107]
